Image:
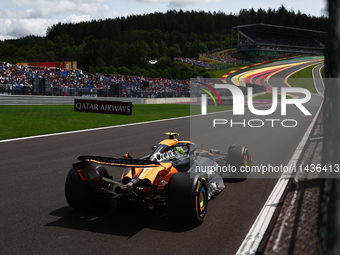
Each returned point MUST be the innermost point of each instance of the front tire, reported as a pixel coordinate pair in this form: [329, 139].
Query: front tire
[187, 198]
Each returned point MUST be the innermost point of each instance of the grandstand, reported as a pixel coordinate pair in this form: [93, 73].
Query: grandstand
[35, 80]
[267, 41]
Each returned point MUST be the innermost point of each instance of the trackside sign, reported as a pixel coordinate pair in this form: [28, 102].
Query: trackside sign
[100, 106]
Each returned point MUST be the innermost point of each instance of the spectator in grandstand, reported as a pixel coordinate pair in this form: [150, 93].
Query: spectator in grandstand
[223, 58]
[66, 81]
[192, 62]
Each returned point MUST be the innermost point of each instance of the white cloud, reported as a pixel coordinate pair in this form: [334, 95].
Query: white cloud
[76, 18]
[26, 17]
[177, 4]
[151, 1]
[21, 3]
[33, 17]
[16, 28]
[180, 4]
[47, 9]
[169, 1]
[65, 7]
[324, 10]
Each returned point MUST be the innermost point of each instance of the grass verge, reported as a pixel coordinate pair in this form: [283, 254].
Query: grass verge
[26, 120]
[29, 120]
[220, 73]
[303, 79]
[210, 60]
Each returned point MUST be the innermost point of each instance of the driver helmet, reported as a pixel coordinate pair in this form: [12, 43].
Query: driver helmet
[180, 150]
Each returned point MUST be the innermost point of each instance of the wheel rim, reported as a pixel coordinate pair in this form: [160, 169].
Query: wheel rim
[245, 158]
[245, 162]
[201, 202]
[202, 199]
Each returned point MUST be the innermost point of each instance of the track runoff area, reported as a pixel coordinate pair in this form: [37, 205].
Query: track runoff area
[267, 76]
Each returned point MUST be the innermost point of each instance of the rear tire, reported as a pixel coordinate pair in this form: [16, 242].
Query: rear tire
[239, 159]
[187, 198]
[83, 198]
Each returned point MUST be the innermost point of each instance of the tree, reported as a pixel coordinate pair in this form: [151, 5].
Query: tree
[140, 54]
[162, 48]
[154, 54]
[164, 62]
[261, 16]
[187, 50]
[282, 15]
[134, 40]
[7, 49]
[174, 51]
[100, 62]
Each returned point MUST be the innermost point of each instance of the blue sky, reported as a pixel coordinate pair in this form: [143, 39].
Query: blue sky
[20, 18]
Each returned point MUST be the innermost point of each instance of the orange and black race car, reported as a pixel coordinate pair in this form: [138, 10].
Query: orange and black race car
[176, 176]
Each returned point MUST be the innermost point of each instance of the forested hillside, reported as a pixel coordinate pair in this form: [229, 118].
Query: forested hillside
[131, 42]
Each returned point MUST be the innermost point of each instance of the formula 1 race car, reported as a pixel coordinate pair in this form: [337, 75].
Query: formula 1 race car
[176, 176]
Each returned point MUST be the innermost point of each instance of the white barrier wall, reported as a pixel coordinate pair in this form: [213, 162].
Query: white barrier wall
[16, 100]
[170, 100]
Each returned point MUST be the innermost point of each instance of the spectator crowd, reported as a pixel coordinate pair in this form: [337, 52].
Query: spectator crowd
[192, 61]
[224, 58]
[70, 82]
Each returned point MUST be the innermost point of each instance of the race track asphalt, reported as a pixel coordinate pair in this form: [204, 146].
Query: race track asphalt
[36, 219]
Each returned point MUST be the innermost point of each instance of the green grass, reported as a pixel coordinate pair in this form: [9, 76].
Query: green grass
[303, 79]
[210, 60]
[196, 109]
[220, 73]
[27, 120]
[223, 51]
[30, 120]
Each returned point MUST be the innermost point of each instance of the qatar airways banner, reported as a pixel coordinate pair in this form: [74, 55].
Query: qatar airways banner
[100, 106]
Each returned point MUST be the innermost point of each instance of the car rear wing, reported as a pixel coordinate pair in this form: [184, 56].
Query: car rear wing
[122, 162]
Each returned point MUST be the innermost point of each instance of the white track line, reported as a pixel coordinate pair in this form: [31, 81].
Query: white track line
[255, 234]
[319, 66]
[87, 130]
[102, 128]
[254, 237]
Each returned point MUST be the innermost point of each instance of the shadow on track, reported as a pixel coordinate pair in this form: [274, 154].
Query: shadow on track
[121, 223]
